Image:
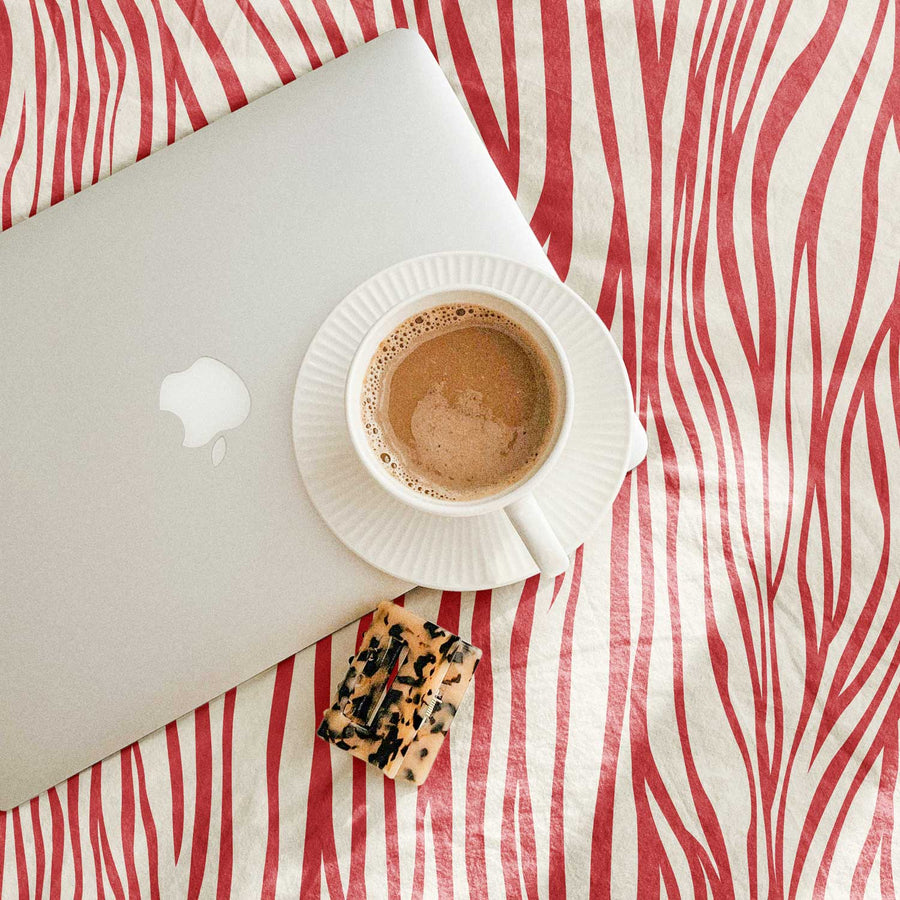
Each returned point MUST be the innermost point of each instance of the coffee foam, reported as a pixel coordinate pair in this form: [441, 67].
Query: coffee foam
[453, 437]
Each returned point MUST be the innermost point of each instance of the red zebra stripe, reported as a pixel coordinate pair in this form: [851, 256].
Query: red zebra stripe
[134, 888]
[226, 826]
[40, 72]
[149, 825]
[228, 78]
[332, 32]
[436, 794]
[281, 693]
[516, 790]
[3, 817]
[103, 857]
[202, 799]
[552, 219]
[305, 40]
[391, 842]
[617, 694]
[104, 30]
[58, 185]
[82, 112]
[169, 53]
[140, 43]
[6, 53]
[424, 25]
[279, 61]
[319, 849]
[57, 843]
[176, 782]
[557, 873]
[186, 92]
[365, 15]
[72, 786]
[40, 861]
[7, 183]
[506, 24]
[399, 12]
[21, 864]
[480, 747]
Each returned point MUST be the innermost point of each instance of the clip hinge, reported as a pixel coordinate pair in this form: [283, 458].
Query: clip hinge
[429, 709]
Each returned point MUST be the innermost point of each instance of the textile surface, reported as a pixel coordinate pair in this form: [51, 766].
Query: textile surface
[707, 703]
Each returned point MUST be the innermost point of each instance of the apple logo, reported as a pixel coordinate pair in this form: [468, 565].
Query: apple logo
[209, 398]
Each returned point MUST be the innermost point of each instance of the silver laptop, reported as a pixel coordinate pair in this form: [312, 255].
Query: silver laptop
[140, 577]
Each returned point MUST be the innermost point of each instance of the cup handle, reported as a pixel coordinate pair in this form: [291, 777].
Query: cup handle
[637, 450]
[529, 520]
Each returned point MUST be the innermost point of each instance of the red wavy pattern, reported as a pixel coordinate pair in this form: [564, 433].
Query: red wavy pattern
[707, 703]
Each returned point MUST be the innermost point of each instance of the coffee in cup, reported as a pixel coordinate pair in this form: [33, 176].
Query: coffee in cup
[459, 402]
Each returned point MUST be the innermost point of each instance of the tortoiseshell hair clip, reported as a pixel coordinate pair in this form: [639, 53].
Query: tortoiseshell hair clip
[400, 694]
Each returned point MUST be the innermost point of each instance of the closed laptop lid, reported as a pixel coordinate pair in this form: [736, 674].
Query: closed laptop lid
[138, 577]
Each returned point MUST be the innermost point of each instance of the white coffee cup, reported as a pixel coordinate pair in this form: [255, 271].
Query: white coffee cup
[517, 500]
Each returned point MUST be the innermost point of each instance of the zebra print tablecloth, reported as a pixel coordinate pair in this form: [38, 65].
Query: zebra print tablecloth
[707, 703]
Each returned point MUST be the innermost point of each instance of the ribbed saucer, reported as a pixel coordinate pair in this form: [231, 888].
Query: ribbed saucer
[460, 553]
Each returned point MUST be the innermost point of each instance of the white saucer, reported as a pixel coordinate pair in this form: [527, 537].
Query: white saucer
[483, 551]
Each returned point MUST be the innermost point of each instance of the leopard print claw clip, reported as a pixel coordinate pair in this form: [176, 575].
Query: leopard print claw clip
[400, 694]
